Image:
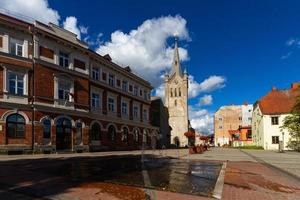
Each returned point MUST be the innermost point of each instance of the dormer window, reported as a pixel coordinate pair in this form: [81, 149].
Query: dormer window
[63, 59]
[16, 47]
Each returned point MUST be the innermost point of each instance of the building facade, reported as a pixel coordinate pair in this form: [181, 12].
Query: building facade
[233, 123]
[176, 100]
[57, 94]
[268, 115]
[160, 118]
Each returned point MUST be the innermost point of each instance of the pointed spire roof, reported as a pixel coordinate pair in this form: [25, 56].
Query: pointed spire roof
[176, 68]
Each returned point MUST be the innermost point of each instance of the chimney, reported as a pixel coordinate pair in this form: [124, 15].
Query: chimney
[295, 86]
[274, 88]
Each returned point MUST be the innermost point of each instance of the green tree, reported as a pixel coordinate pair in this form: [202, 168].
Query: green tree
[291, 123]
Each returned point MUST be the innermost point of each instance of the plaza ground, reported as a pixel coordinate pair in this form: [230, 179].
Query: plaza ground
[250, 174]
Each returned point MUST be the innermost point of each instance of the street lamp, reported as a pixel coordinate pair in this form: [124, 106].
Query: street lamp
[282, 141]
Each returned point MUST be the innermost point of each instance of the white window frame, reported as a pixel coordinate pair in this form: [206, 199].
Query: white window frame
[95, 72]
[65, 56]
[135, 114]
[17, 43]
[111, 80]
[111, 105]
[92, 100]
[123, 89]
[24, 81]
[66, 79]
[123, 108]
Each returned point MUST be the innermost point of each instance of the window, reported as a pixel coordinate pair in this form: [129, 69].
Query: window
[249, 118]
[124, 86]
[179, 91]
[135, 91]
[220, 127]
[95, 73]
[15, 126]
[78, 133]
[240, 118]
[46, 129]
[16, 47]
[124, 108]
[145, 95]
[135, 112]
[145, 114]
[64, 90]
[64, 59]
[111, 133]
[95, 132]
[275, 139]
[249, 134]
[16, 83]
[220, 119]
[274, 120]
[95, 100]
[111, 104]
[175, 92]
[125, 135]
[111, 80]
[175, 102]
[136, 135]
[171, 92]
[141, 92]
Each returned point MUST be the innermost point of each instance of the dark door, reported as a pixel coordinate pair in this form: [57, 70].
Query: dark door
[63, 134]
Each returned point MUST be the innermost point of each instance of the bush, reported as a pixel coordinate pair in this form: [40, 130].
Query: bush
[250, 147]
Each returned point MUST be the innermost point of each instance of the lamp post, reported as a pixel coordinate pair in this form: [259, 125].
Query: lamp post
[282, 141]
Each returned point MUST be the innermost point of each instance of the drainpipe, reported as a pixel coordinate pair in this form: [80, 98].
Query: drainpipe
[33, 92]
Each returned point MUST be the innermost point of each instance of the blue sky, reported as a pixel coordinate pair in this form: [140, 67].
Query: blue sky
[252, 44]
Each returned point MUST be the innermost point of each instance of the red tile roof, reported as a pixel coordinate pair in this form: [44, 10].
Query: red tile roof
[279, 101]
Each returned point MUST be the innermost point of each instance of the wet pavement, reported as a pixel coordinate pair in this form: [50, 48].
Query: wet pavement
[49, 177]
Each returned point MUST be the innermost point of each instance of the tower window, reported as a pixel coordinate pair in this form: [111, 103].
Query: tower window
[175, 92]
[171, 92]
[175, 102]
[179, 91]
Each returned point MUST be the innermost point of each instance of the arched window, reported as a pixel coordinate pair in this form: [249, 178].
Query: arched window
[78, 133]
[15, 126]
[125, 135]
[46, 129]
[111, 133]
[95, 132]
[171, 92]
[175, 92]
[175, 102]
[136, 135]
[179, 91]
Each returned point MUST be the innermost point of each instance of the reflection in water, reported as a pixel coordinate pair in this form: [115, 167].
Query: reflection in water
[183, 176]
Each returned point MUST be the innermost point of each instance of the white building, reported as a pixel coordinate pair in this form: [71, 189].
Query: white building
[268, 115]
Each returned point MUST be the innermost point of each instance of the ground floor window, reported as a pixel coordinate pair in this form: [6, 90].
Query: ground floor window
[15, 125]
[46, 129]
[78, 133]
[275, 139]
[96, 132]
[125, 135]
[111, 133]
[136, 135]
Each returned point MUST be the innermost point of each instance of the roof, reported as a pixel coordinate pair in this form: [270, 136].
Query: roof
[279, 101]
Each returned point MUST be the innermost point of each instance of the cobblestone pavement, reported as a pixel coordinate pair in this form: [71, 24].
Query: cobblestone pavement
[250, 174]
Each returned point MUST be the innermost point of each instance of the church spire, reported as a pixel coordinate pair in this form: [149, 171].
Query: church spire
[176, 68]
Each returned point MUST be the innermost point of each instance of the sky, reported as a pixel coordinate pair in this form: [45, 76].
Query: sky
[234, 51]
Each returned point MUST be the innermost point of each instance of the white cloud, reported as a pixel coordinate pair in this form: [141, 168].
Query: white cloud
[145, 48]
[286, 55]
[201, 120]
[70, 24]
[208, 85]
[36, 9]
[195, 88]
[292, 41]
[83, 29]
[206, 100]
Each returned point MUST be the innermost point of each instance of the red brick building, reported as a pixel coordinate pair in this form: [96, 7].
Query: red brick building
[57, 94]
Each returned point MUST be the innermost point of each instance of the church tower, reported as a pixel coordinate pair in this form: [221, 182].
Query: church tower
[176, 100]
